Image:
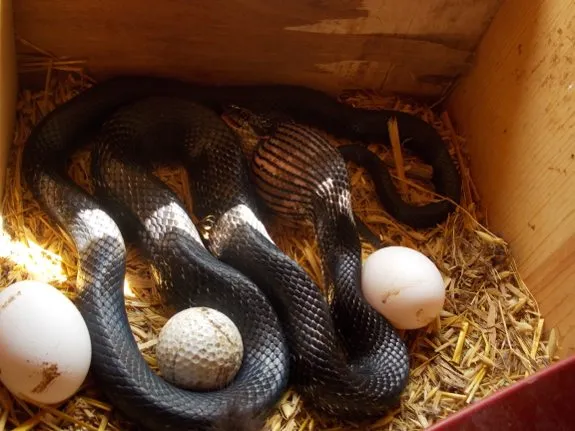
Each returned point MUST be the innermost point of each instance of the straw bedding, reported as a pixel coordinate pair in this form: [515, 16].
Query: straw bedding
[489, 334]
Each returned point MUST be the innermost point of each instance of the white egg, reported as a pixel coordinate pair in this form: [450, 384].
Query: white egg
[45, 347]
[403, 285]
[200, 349]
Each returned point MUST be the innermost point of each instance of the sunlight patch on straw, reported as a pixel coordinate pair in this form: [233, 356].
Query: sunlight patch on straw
[41, 263]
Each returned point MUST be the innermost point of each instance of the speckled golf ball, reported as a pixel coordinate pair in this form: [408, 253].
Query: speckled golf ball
[199, 349]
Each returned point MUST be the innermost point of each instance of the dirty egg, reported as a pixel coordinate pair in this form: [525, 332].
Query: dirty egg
[45, 348]
[403, 285]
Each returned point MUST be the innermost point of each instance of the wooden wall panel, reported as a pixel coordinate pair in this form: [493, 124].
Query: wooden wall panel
[416, 48]
[517, 109]
[8, 87]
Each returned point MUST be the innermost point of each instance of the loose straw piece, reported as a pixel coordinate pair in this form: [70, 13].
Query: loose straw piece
[3, 420]
[460, 341]
[536, 338]
[475, 384]
[397, 153]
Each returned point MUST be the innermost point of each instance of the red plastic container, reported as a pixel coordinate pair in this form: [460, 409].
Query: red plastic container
[538, 403]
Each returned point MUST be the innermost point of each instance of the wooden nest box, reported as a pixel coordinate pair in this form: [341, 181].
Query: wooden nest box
[503, 70]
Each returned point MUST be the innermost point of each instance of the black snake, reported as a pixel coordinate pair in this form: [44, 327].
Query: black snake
[346, 361]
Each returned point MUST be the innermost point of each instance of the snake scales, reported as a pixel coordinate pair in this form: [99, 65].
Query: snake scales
[342, 356]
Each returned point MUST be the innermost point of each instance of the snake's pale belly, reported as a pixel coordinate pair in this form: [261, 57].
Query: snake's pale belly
[343, 357]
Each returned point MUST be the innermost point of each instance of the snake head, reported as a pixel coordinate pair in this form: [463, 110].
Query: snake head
[250, 127]
[248, 122]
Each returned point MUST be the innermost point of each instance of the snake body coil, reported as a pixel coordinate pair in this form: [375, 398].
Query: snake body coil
[352, 364]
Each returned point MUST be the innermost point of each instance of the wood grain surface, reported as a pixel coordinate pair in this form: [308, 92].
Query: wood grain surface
[8, 87]
[418, 48]
[517, 109]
